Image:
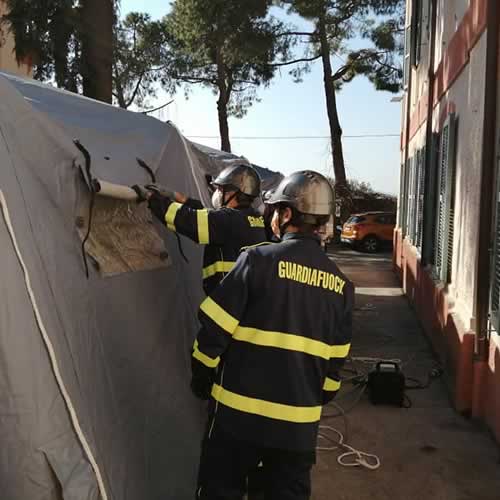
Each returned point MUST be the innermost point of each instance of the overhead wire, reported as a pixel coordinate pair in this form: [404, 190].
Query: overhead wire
[294, 137]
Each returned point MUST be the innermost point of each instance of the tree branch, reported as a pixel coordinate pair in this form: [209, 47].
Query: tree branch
[385, 65]
[192, 79]
[136, 90]
[341, 72]
[296, 33]
[295, 61]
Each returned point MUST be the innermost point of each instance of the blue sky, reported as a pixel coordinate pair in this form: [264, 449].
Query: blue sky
[290, 109]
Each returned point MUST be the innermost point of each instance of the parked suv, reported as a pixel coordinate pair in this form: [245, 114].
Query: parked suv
[369, 231]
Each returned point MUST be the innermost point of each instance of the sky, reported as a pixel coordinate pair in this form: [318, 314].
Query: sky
[288, 109]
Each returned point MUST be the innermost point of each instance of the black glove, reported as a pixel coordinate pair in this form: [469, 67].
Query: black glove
[202, 380]
[161, 190]
[158, 204]
[143, 193]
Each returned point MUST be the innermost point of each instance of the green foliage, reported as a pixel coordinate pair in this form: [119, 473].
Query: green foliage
[228, 46]
[380, 23]
[140, 48]
[51, 34]
[46, 32]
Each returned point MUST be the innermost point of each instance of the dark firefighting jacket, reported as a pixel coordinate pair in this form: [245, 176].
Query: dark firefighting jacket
[224, 232]
[278, 329]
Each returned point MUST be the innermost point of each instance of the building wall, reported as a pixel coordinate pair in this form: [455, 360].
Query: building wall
[447, 311]
[8, 61]
[466, 98]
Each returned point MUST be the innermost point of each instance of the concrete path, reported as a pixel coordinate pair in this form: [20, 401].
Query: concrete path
[428, 451]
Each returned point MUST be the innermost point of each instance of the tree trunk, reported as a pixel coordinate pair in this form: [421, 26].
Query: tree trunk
[222, 103]
[97, 49]
[331, 106]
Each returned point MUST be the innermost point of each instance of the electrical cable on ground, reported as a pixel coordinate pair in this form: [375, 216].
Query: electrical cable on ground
[352, 457]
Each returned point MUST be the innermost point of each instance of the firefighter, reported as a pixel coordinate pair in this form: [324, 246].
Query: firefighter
[274, 335]
[232, 224]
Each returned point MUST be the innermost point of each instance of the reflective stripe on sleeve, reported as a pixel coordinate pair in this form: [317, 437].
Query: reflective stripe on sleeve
[170, 215]
[331, 385]
[203, 358]
[277, 411]
[217, 267]
[202, 219]
[218, 315]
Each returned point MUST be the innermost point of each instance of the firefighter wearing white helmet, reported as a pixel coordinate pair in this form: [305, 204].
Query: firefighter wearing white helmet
[231, 225]
[274, 336]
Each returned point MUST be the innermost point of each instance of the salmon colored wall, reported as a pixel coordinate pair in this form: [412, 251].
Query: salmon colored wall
[474, 387]
[455, 59]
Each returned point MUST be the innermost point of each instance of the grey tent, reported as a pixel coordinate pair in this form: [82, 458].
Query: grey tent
[94, 372]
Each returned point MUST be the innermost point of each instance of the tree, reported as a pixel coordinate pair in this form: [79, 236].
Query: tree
[140, 48]
[226, 45]
[336, 23]
[363, 198]
[97, 18]
[83, 47]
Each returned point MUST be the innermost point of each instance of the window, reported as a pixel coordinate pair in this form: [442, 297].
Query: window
[412, 189]
[417, 30]
[430, 202]
[355, 220]
[402, 199]
[407, 66]
[495, 281]
[445, 214]
[388, 219]
[411, 210]
[419, 199]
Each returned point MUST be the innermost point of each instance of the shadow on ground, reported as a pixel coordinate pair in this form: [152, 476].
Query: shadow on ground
[427, 451]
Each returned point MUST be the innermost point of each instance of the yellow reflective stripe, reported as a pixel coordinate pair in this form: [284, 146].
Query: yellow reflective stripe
[217, 267]
[215, 312]
[277, 411]
[331, 385]
[291, 342]
[170, 215]
[202, 219]
[203, 358]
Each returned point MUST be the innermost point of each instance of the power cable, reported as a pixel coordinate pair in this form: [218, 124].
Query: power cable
[293, 137]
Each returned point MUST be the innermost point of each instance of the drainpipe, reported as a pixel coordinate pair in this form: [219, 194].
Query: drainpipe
[428, 235]
[488, 186]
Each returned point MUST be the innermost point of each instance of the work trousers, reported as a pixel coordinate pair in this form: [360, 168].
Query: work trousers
[226, 463]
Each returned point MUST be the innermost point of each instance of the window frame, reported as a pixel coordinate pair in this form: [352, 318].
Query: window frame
[445, 199]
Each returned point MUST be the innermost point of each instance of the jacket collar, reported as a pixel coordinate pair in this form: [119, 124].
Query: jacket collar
[301, 236]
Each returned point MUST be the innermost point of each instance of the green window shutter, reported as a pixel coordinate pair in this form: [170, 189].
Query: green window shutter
[445, 202]
[402, 197]
[415, 185]
[420, 198]
[495, 267]
[411, 200]
[429, 236]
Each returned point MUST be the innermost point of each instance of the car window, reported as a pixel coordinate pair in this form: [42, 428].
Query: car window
[386, 219]
[356, 220]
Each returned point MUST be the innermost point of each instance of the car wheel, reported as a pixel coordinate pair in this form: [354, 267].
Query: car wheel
[370, 244]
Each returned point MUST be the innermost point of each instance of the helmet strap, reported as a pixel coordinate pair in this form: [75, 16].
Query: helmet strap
[225, 202]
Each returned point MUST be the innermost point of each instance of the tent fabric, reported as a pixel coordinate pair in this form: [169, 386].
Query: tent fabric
[121, 409]
[216, 158]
